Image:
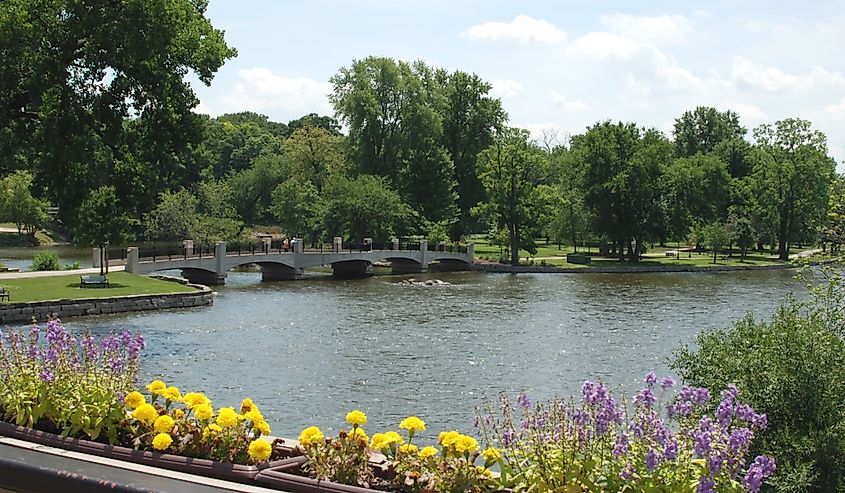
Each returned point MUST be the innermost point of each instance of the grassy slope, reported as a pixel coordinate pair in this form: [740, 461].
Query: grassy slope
[67, 287]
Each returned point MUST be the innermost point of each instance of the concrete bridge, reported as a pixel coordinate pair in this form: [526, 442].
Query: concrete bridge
[210, 267]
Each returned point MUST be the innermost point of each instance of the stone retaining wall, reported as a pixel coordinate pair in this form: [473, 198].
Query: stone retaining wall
[526, 269]
[44, 310]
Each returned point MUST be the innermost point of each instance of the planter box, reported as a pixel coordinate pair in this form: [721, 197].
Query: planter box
[285, 477]
[202, 467]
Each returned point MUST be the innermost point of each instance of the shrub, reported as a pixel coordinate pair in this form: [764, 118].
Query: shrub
[67, 385]
[45, 261]
[599, 445]
[793, 369]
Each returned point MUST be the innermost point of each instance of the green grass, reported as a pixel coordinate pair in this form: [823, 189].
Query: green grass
[67, 287]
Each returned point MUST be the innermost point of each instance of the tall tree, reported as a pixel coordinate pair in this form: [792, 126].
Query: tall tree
[18, 205]
[315, 154]
[93, 93]
[701, 130]
[102, 221]
[471, 119]
[364, 207]
[623, 173]
[395, 130]
[792, 177]
[511, 169]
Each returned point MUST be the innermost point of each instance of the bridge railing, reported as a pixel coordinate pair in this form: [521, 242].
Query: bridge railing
[116, 253]
[248, 248]
[176, 252]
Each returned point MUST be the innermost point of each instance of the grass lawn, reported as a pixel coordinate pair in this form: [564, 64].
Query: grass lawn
[67, 287]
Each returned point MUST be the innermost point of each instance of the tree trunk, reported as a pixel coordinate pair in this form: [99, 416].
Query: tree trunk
[783, 234]
[514, 232]
[632, 253]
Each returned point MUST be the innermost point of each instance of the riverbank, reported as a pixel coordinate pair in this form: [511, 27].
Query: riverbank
[42, 298]
[622, 269]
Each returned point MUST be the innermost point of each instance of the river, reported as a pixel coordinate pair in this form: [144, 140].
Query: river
[309, 351]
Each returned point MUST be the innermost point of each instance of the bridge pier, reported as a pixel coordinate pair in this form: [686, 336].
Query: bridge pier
[352, 269]
[405, 266]
[280, 272]
[206, 277]
[449, 265]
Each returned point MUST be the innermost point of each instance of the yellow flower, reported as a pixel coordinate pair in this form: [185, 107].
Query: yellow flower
[428, 452]
[412, 424]
[261, 426]
[393, 437]
[172, 394]
[447, 438]
[259, 450]
[359, 433]
[408, 449]
[134, 399]
[178, 413]
[310, 436]
[204, 412]
[487, 473]
[466, 444]
[195, 399]
[253, 415]
[145, 413]
[162, 441]
[208, 430]
[156, 387]
[247, 405]
[379, 442]
[491, 454]
[356, 418]
[227, 417]
[164, 424]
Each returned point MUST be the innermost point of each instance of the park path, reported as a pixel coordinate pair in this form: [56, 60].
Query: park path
[50, 273]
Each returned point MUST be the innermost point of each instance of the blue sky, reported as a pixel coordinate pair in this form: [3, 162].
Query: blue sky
[559, 65]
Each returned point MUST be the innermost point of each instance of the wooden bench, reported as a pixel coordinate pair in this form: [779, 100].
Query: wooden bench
[4, 295]
[93, 281]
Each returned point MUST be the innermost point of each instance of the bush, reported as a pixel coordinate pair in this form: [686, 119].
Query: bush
[793, 369]
[46, 261]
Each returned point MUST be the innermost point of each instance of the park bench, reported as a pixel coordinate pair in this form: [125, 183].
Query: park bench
[4, 295]
[93, 281]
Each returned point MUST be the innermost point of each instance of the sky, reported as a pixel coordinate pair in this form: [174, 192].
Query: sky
[558, 66]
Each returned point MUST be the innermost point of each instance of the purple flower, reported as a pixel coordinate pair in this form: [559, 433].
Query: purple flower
[650, 379]
[670, 450]
[52, 355]
[762, 468]
[621, 446]
[667, 383]
[725, 411]
[47, 375]
[705, 485]
[740, 439]
[645, 398]
[523, 401]
[508, 438]
[652, 459]
[731, 392]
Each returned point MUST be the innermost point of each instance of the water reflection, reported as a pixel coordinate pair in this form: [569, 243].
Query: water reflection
[309, 351]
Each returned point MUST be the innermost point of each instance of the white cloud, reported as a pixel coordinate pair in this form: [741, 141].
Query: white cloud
[664, 28]
[569, 106]
[263, 91]
[522, 28]
[506, 89]
[749, 114]
[772, 79]
[836, 110]
[604, 45]
[203, 109]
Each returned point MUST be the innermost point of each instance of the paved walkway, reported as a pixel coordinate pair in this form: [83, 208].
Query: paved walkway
[50, 273]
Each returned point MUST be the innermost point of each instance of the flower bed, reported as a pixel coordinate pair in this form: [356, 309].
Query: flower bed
[79, 394]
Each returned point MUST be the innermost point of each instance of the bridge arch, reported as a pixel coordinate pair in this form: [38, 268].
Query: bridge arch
[352, 269]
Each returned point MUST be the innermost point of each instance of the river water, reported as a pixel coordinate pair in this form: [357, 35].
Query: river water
[310, 351]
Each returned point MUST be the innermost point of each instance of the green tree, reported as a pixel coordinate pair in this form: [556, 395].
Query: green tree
[701, 130]
[791, 178]
[716, 236]
[395, 130]
[743, 234]
[19, 206]
[471, 119]
[101, 222]
[252, 188]
[364, 207]
[314, 154]
[623, 170]
[174, 218]
[511, 169]
[218, 218]
[298, 207]
[95, 93]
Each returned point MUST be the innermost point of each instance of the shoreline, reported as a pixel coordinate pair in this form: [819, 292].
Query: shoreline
[39, 311]
[628, 269]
